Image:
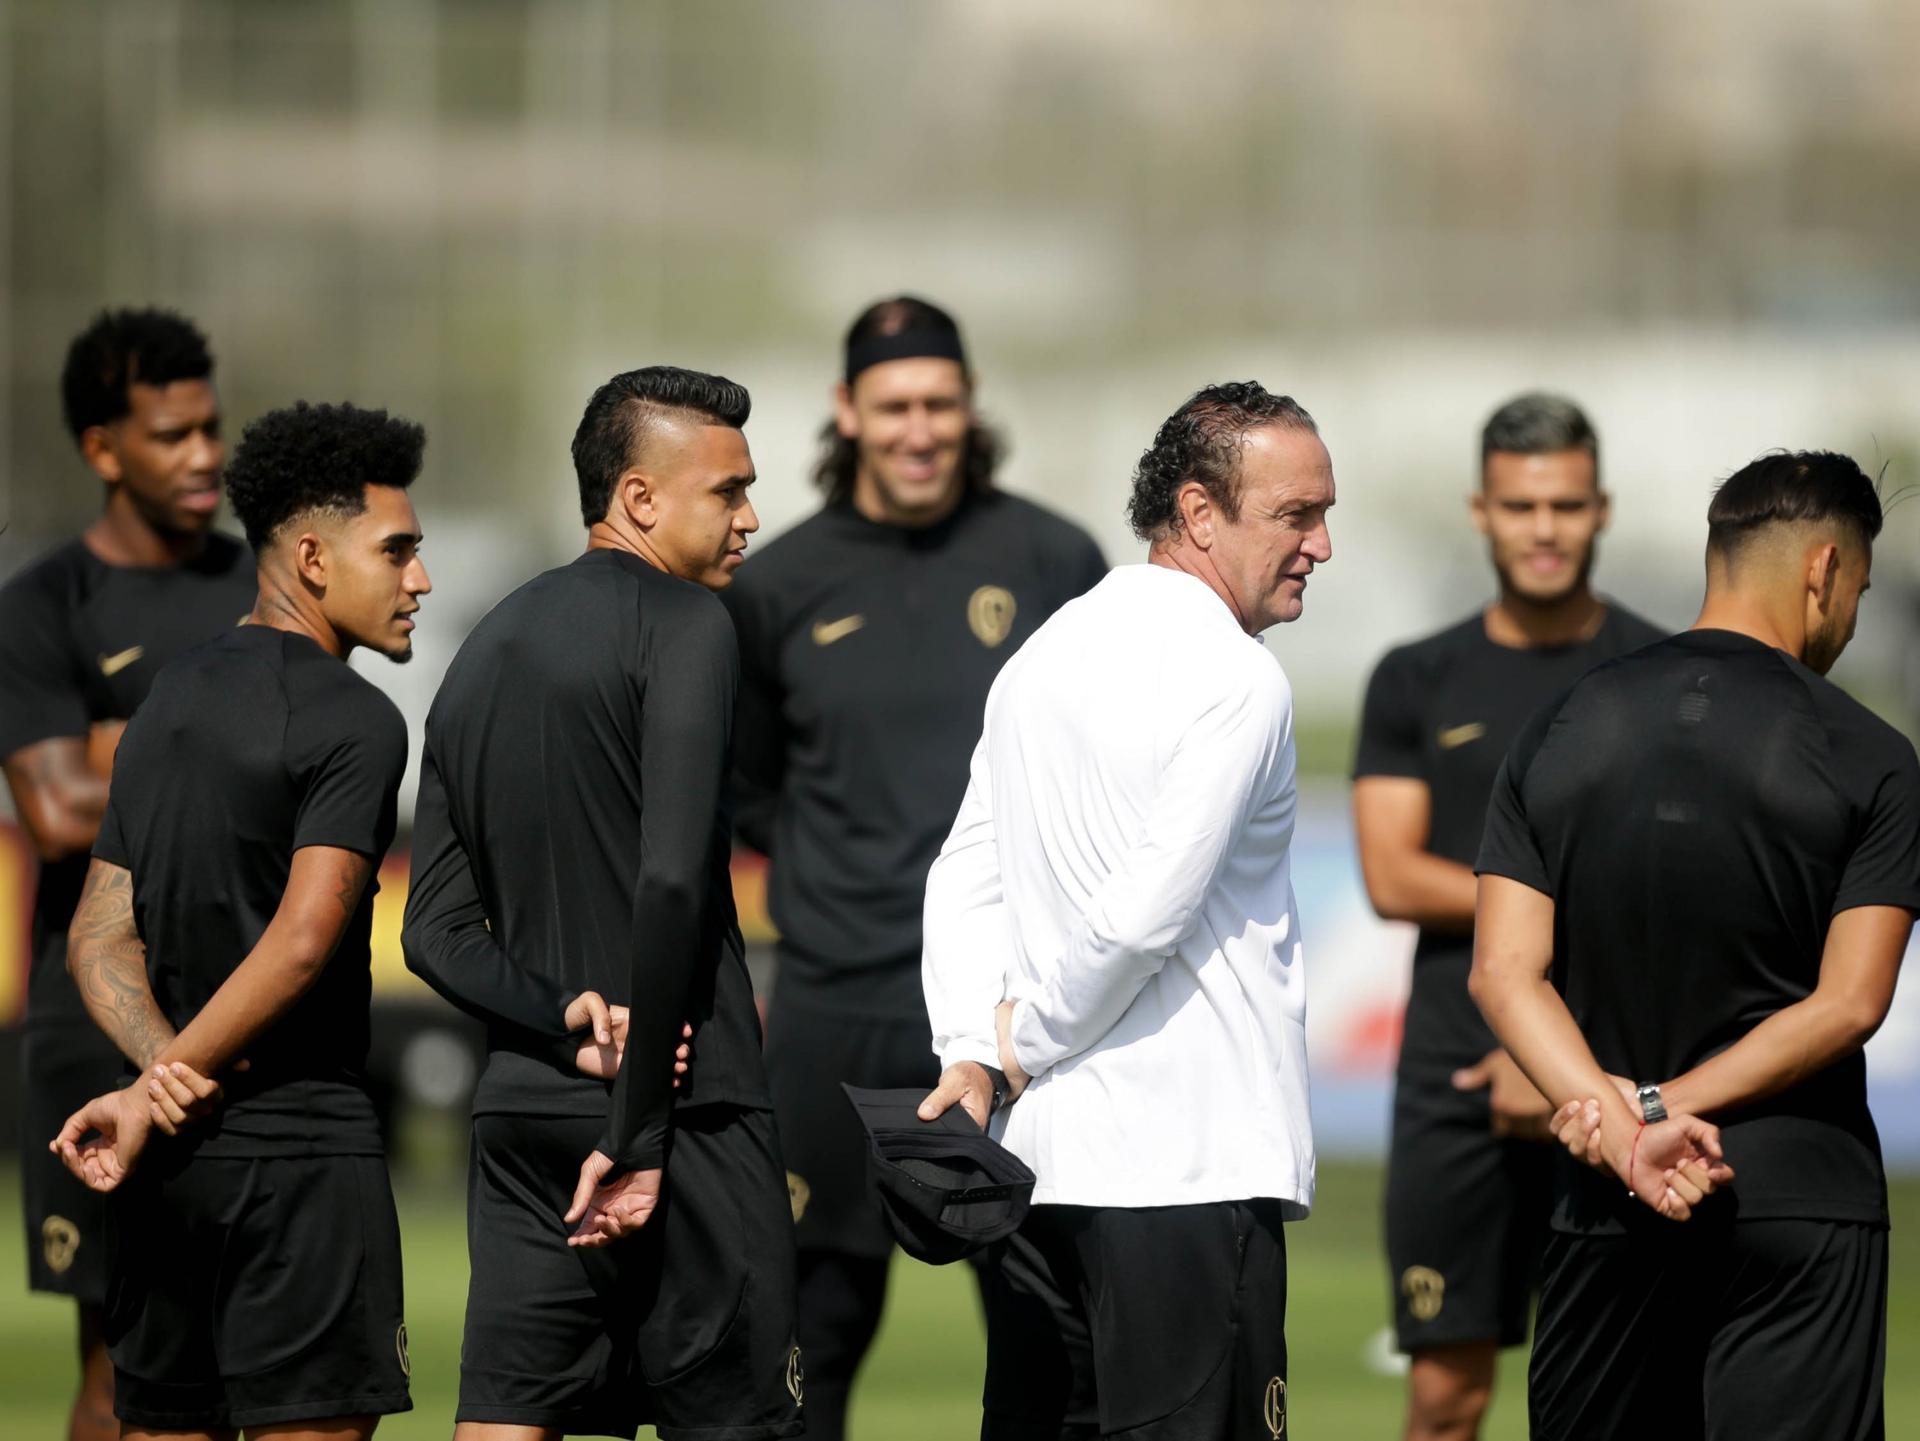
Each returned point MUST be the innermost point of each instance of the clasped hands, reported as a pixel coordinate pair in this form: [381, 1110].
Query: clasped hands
[1669, 1166]
[605, 1210]
[117, 1125]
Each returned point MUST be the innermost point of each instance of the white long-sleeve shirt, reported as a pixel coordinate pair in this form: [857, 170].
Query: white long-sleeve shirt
[1120, 868]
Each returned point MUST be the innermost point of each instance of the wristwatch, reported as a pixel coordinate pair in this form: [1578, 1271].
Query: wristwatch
[1001, 1090]
[1652, 1108]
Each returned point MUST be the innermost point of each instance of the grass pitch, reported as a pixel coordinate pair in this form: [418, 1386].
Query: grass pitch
[923, 1378]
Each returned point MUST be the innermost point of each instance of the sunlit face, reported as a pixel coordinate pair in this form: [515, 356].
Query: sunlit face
[165, 455]
[1266, 554]
[1832, 616]
[372, 577]
[689, 497]
[909, 419]
[1542, 515]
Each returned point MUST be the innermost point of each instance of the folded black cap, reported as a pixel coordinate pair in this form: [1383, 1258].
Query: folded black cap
[947, 1188]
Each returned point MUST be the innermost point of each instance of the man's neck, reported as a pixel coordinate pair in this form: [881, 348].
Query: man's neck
[283, 607]
[1750, 616]
[119, 536]
[617, 535]
[1521, 624]
[870, 500]
[1182, 555]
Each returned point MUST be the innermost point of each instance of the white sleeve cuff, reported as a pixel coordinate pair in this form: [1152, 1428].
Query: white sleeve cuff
[981, 1050]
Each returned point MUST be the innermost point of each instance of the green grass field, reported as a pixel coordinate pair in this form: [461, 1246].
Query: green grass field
[923, 1379]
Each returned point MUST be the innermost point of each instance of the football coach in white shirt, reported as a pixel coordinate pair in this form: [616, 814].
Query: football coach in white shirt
[1113, 962]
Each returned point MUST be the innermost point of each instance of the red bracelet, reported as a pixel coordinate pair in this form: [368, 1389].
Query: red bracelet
[1633, 1156]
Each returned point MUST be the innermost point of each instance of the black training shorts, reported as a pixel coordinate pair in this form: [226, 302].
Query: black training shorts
[1165, 1323]
[1466, 1217]
[254, 1292]
[1713, 1330]
[811, 1048]
[688, 1324]
[61, 1069]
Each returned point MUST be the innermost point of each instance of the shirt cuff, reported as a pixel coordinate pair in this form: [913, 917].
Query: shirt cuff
[1033, 1047]
[981, 1050]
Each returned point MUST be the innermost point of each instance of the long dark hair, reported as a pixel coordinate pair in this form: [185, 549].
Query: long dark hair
[839, 457]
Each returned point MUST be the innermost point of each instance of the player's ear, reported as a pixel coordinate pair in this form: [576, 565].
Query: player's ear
[1477, 507]
[1823, 569]
[1605, 511]
[845, 420]
[1196, 512]
[309, 554]
[96, 448]
[633, 493]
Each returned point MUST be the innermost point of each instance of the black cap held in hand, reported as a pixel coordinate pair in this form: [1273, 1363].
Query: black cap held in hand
[946, 1187]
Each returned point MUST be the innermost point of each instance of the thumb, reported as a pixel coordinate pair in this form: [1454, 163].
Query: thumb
[591, 1170]
[598, 1017]
[937, 1104]
[1472, 1078]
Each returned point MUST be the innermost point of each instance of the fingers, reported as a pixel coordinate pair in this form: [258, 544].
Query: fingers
[1472, 1078]
[1704, 1135]
[940, 1100]
[1679, 1182]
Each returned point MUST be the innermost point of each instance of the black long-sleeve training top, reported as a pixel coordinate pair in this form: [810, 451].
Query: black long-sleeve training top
[867, 651]
[569, 837]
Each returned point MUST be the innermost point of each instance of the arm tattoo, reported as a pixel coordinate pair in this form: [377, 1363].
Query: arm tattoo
[350, 882]
[108, 961]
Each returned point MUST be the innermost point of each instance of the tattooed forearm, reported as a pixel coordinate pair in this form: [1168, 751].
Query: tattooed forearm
[108, 962]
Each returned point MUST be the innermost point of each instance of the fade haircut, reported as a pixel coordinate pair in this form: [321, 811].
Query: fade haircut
[1539, 423]
[1202, 441]
[308, 459]
[621, 412]
[1793, 487]
[838, 463]
[121, 349]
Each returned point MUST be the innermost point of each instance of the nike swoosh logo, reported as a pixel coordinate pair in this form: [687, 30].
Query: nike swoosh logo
[1455, 736]
[114, 664]
[826, 632]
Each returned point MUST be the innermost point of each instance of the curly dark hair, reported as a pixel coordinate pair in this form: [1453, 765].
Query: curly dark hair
[839, 459]
[306, 458]
[1784, 487]
[620, 413]
[1201, 441]
[121, 348]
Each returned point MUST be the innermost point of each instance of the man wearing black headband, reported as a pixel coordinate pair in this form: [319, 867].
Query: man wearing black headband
[869, 636]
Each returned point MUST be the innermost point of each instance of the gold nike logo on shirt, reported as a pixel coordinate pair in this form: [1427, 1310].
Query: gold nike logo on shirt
[826, 632]
[1455, 736]
[120, 660]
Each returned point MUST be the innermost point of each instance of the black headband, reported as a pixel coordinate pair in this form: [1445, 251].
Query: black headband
[904, 345]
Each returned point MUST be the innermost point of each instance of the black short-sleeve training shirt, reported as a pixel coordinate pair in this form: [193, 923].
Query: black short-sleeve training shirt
[249, 748]
[80, 642]
[1443, 710]
[1699, 812]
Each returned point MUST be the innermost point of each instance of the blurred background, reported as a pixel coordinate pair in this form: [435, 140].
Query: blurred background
[1697, 220]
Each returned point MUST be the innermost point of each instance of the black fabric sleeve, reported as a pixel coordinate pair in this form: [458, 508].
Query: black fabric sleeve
[1884, 869]
[760, 732]
[448, 942]
[346, 747]
[691, 675]
[109, 842]
[1508, 846]
[41, 695]
[1390, 737]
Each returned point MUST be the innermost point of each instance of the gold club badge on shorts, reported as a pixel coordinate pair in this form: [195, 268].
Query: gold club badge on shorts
[1425, 1290]
[400, 1350]
[990, 612]
[59, 1239]
[796, 1378]
[1274, 1408]
[798, 1194]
